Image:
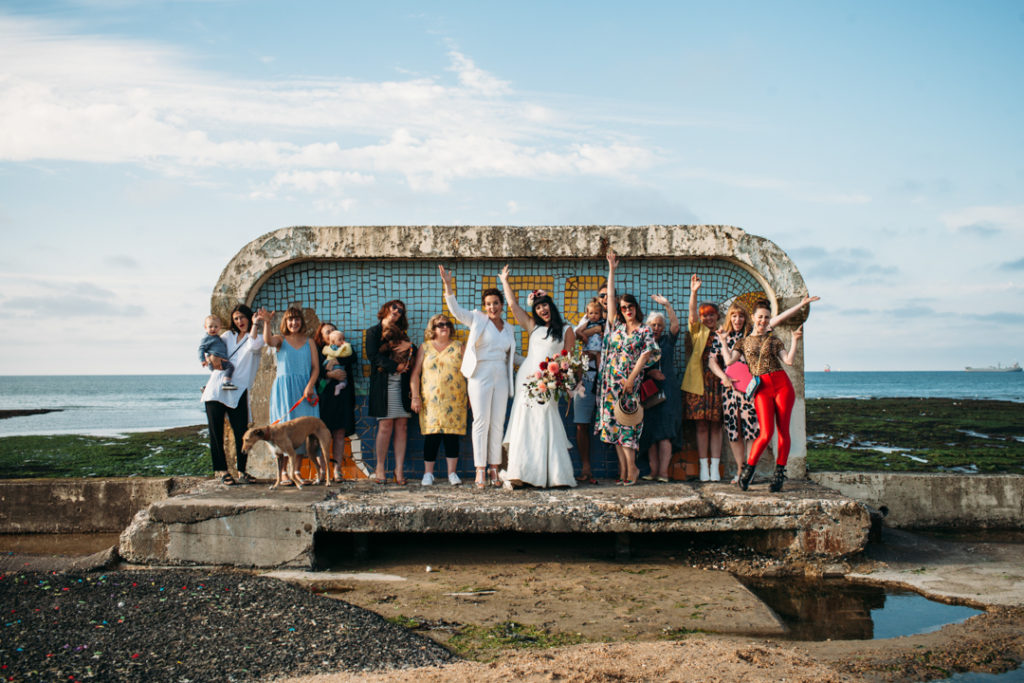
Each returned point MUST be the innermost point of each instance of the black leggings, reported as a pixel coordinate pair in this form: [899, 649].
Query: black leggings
[239, 419]
[432, 444]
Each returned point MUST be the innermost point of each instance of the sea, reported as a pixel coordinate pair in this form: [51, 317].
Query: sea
[108, 405]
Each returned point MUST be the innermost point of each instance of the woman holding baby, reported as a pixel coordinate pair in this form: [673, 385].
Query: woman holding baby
[391, 357]
[336, 388]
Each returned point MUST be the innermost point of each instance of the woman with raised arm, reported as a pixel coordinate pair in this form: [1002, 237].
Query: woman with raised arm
[243, 350]
[775, 398]
[390, 399]
[487, 367]
[662, 421]
[293, 393]
[538, 448]
[701, 389]
[738, 413]
[629, 348]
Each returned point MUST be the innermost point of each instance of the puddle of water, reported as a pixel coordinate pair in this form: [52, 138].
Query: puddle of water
[837, 610]
[977, 677]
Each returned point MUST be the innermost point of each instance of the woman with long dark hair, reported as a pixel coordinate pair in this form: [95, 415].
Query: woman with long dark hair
[390, 399]
[337, 406]
[243, 351]
[538, 448]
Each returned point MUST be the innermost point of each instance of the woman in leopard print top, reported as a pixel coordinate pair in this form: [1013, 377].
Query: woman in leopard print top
[774, 400]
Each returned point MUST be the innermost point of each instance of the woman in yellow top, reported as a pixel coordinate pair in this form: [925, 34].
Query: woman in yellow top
[439, 396]
[701, 389]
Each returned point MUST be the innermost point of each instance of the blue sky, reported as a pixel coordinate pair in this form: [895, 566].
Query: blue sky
[143, 143]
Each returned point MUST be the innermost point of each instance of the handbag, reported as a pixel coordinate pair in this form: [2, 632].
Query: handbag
[742, 380]
[650, 394]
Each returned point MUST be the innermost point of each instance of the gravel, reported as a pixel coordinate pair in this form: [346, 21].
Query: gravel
[183, 625]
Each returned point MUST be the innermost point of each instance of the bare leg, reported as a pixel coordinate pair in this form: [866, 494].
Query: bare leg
[453, 465]
[338, 451]
[702, 439]
[715, 434]
[632, 471]
[401, 436]
[380, 447]
[664, 457]
[623, 469]
[652, 461]
[738, 454]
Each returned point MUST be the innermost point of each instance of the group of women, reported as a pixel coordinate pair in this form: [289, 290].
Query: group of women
[436, 379]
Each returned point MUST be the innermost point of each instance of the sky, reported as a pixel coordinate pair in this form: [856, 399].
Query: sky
[143, 143]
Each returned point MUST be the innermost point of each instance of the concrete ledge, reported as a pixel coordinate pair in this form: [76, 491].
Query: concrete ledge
[253, 527]
[935, 500]
[53, 506]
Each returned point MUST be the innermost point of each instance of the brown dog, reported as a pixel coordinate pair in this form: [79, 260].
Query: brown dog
[285, 437]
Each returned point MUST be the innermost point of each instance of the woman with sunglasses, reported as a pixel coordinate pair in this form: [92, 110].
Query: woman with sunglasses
[629, 348]
[487, 367]
[439, 396]
[390, 399]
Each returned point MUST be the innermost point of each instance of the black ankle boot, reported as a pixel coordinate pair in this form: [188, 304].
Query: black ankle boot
[778, 479]
[746, 474]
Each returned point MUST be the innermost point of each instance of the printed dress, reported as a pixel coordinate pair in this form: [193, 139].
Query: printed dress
[294, 366]
[443, 390]
[706, 406]
[738, 415]
[622, 349]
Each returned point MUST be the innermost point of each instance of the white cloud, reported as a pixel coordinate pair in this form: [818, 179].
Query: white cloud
[105, 100]
[985, 220]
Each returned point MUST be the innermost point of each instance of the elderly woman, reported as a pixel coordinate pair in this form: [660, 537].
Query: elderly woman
[662, 422]
[337, 407]
[701, 389]
[439, 396]
[629, 348]
[243, 350]
[487, 366]
[390, 398]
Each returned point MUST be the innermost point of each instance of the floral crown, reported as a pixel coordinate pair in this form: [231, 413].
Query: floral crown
[534, 295]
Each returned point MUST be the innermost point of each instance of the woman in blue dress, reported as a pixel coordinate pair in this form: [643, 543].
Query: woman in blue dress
[293, 393]
[663, 421]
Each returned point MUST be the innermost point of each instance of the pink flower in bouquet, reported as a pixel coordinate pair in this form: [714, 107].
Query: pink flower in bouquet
[539, 374]
[542, 387]
[565, 365]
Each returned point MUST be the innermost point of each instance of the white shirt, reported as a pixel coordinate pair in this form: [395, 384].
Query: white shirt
[245, 357]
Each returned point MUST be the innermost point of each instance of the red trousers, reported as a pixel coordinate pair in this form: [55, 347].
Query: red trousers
[773, 403]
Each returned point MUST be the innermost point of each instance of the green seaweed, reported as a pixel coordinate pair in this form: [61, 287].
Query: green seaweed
[182, 451]
[857, 435]
[484, 643]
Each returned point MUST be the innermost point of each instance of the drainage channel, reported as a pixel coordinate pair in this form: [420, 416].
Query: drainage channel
[840, 610]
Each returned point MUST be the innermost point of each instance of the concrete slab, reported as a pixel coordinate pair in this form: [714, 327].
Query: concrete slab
[253, 527]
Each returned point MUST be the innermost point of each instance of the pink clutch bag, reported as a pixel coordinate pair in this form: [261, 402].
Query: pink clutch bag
[742, 380]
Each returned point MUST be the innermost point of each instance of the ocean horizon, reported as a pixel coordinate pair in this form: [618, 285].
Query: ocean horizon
[108, 405]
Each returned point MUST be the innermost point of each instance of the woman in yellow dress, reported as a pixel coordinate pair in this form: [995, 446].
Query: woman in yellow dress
[439, 396]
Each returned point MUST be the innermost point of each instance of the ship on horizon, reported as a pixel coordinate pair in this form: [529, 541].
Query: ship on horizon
[997, 368]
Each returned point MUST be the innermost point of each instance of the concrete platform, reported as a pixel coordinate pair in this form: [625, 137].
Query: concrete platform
[251, 526]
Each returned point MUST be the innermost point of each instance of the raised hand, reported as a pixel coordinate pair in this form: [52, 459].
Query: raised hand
[613, 260]
[798, 333]
[503, 276]
[809, 299]
[446, 277]
[695, 282]
[659, 299]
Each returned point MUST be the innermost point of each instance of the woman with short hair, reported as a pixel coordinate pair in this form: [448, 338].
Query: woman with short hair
[439, 396]
[487, 367]
[662, 421]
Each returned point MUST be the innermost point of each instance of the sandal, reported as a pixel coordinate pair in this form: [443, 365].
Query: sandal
[228, 480]
[481, 478]
[246, 478]
[495, 480]
[399, 482]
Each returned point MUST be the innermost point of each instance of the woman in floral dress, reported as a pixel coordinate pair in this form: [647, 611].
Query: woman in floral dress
[439, 396]
[629, 348]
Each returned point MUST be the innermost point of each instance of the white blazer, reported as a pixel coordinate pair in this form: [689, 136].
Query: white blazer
[475, 321]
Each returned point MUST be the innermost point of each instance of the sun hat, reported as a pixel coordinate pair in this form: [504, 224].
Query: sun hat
[628, 413]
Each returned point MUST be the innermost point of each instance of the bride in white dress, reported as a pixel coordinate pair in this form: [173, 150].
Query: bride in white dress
[538, 448]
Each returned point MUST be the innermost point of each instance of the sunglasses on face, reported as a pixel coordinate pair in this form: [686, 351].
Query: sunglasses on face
[396, 307]
[440, 325]
[602, 296]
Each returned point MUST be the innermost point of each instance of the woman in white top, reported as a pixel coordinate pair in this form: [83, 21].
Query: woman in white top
[243, 350]
[487, 366]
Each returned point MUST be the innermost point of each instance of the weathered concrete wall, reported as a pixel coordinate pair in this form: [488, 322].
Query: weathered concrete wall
[342, 274]
[935, 500]
[53, 506]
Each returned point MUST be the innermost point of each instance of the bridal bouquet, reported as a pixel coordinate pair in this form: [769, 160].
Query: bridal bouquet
[558, 376]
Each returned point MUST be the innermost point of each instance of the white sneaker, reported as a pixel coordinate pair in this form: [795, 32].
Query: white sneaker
[453, 479]
[428, 479]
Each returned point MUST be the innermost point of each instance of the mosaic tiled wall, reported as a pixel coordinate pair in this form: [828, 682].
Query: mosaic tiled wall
[349, 294]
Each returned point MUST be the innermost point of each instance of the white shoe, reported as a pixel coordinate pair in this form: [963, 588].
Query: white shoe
[705, 473]
[453, 479]
[716, 470]
[428, 479]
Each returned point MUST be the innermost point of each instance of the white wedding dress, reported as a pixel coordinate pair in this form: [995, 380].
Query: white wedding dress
[538, 449]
